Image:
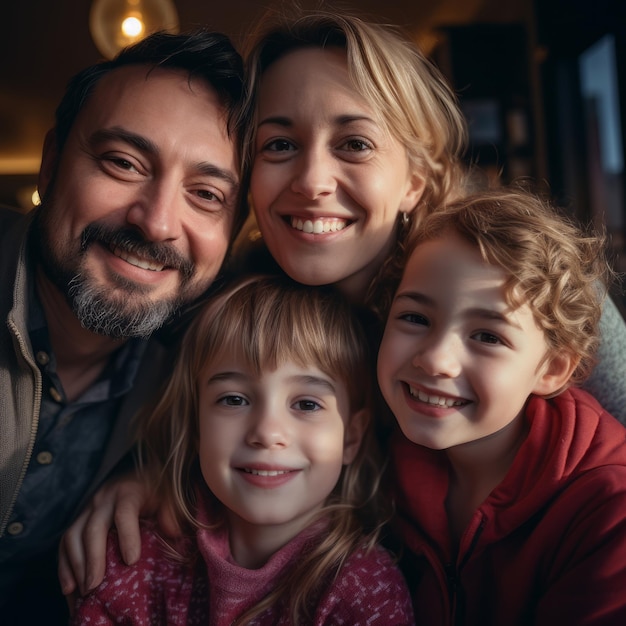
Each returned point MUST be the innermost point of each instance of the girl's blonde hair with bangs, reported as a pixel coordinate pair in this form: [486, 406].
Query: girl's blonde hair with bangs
[267, 320]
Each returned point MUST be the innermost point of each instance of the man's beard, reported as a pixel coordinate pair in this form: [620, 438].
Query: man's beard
[122, 311]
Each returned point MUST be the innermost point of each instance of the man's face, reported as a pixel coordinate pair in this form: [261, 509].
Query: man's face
[138, 216]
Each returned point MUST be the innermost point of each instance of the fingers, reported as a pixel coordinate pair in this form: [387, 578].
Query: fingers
[82, 553]
[131, 502]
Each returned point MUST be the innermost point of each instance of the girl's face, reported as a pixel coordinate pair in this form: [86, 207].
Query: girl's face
[272, 446]
[456, 363]
[328, 181]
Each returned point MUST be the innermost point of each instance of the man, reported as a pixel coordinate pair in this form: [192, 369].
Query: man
[140, 201]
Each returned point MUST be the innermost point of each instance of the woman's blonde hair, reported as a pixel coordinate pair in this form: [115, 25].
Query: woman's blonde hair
[551, 263]
[269, 320]
[408, 93]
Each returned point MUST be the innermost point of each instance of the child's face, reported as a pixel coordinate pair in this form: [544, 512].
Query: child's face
[456, 364]
[272, 446]
[328, 181]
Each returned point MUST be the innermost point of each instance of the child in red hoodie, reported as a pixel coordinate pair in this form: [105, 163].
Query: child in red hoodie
[511, 482]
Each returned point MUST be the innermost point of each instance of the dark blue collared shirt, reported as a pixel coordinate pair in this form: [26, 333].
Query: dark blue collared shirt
[69, 446]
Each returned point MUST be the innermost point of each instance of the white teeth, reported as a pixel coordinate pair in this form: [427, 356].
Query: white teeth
[434, 400]
[265, 472]
[319, 226]
[136, 261]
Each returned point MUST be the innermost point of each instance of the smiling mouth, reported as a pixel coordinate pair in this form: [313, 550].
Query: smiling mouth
[142, 263]
[318, 226]
[433, 400]
[257, 472]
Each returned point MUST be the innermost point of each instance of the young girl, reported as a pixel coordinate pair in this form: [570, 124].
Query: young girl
[261, 443]
[511, 486]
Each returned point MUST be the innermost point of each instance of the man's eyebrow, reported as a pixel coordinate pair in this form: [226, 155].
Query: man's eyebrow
[213, 171]
[143, 144]
[116, 133]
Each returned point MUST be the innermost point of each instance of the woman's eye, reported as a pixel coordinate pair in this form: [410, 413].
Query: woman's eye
[278, 145]
[233, 400]
[307, 405]
[485, 337]
[357, 145]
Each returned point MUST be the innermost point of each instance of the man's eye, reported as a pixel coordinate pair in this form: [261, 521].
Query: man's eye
[205, 194]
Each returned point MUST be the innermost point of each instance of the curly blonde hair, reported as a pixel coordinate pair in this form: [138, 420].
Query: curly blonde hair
[268, 320]
[552, 264]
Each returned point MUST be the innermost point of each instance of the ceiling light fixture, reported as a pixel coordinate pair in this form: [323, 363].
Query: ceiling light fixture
[115, 24]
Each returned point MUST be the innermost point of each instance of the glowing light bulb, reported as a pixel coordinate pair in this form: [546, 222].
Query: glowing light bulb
[132, 27]
[115, 24]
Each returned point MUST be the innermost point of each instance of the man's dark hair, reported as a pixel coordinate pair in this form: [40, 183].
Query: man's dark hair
[207, 55]
[202, 54]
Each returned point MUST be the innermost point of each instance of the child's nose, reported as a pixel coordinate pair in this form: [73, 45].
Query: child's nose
[268, 429]
[439, 357]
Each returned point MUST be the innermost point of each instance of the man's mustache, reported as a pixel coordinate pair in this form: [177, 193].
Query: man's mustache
[133, 242]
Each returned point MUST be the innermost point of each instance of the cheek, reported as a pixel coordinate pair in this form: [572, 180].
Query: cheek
[209, 244]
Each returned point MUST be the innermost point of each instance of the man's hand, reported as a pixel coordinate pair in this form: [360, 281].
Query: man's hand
[82, 553]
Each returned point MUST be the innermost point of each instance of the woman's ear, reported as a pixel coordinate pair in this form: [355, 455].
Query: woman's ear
[414, 192]
[557, 371]
[353, 435]
[49, 162]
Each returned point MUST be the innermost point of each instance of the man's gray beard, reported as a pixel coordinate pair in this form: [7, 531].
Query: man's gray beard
[99, 313]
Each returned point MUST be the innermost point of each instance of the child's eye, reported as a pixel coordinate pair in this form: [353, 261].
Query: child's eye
[485, 337]
[307, 405]
[415, 318]
[233, 400]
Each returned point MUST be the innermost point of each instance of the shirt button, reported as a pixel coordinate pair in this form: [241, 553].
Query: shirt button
[15, 528]
[44, 458]
[42, 358]
[56, 396]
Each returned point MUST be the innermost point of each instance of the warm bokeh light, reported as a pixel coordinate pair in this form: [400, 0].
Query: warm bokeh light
[132, 27]
[115, 24]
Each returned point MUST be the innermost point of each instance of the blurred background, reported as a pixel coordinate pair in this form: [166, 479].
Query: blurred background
[542, 82]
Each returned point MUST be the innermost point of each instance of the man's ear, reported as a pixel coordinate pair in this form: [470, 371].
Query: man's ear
[557, 371]
[353, 435]
[49, 163]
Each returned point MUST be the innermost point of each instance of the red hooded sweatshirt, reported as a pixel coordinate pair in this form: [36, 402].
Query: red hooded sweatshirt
[548, 545]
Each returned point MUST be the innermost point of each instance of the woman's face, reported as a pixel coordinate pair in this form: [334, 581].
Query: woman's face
[328, 181]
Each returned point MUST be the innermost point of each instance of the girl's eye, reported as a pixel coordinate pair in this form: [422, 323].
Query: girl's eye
[485, 337]
[307, 405]
[415, 318]
[233, 400]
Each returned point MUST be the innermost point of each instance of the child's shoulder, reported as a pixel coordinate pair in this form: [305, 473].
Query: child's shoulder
[369, 587]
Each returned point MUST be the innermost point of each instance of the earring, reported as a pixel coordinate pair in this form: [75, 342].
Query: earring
[405, 218]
